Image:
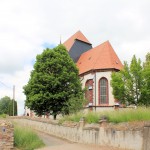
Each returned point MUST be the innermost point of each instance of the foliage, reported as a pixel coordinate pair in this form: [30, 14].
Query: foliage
[73, 117]
[136, 78]
[26, 139]
[54, 85]
[129, 115]
[3, 116]
[6, 106]
[4, 103]
[127, 83]
[121, 115]
[92, 117]
[145, 91]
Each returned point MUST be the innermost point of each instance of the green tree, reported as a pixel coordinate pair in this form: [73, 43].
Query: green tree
[127, 83]
[54, 85]
[136, 78]
[145, 90]
[4, 103]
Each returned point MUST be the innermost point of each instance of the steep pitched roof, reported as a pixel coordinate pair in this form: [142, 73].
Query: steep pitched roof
[100, 57]
[77, 36]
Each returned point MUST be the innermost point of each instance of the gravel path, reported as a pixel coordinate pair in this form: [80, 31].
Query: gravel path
[53, 143]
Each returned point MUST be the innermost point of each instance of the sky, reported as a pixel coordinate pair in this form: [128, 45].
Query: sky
[27, 27]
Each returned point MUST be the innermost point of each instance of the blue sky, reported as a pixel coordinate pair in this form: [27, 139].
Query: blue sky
[27, 27]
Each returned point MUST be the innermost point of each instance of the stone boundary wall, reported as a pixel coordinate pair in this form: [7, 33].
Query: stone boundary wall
[127, 136]
[6, 135]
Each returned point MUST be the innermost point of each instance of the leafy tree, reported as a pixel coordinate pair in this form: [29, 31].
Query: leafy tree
[6, 106]
[145, 90]
[54, 85]
[127, 83]
[4, 103]
[136, 78]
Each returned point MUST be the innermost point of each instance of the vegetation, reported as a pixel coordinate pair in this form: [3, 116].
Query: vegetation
[129, 115]
[54, 86]
[3, 115]
[6, 106]
[122, 115]
[131, 85]
[26, 139]
[145, 91]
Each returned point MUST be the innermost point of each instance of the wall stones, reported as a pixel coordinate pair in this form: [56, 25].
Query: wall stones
[6, 135]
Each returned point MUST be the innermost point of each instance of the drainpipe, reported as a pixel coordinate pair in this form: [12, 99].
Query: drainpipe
[95, 91]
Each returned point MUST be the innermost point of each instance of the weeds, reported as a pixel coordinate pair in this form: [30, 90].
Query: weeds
[122, 115]
[26, 139]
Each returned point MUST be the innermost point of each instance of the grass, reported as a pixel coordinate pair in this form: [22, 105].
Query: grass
[129, 115]
[3, 116]
[74, 118]
[122, 115]
[26, 139]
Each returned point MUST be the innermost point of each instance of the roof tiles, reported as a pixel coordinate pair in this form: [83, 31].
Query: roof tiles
[100, 57]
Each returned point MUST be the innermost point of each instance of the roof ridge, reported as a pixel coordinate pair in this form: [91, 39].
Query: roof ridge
[77, 36]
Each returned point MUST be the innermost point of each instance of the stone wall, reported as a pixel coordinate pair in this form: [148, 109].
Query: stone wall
[126, 135]
[6, 135]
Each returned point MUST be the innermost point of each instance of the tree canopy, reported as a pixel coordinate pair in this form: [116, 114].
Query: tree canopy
[145, 91]
[131, 85]
[6, 106]
[54, 85]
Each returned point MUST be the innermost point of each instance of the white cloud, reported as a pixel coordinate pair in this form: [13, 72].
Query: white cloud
[26, 25]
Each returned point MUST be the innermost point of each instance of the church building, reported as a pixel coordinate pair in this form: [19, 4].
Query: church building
[95, 67]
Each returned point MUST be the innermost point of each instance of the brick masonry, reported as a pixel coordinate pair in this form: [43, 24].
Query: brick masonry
[6, 135]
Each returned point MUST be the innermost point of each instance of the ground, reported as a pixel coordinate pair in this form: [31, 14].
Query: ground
[54, 143]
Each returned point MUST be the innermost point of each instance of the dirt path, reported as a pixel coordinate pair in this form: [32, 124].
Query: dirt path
[53, 143]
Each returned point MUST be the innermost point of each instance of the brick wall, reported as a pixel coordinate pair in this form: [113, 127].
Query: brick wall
[6, 135]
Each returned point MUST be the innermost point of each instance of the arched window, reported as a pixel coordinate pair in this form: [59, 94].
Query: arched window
[103, 91]
[89, 91]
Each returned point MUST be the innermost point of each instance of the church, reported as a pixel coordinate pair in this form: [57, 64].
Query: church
[95, 67]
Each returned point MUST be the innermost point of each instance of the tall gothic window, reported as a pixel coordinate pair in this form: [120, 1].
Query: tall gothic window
[103, 87]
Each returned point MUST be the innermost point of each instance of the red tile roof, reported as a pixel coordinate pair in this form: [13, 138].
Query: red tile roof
[77, 36]
[100, 57]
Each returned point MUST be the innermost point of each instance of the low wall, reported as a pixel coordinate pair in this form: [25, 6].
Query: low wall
[6, 135]
[126, 136]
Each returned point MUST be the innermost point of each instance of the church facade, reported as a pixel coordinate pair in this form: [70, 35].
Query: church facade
[95, 68]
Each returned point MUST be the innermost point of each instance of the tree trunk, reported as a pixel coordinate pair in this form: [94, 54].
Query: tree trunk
[54, 116]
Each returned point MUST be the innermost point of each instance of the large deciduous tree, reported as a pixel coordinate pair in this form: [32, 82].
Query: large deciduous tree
[54, 86]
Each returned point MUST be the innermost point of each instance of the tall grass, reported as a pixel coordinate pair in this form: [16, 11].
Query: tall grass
[74, 117]
[115, 116]
[26, 139]
[3, 115]
[128, 115]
